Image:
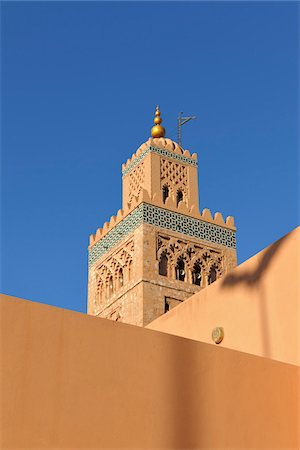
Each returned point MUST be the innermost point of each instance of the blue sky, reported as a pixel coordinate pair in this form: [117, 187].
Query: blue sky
[80, 82]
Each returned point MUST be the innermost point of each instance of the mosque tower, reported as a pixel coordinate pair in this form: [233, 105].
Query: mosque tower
[159, 249]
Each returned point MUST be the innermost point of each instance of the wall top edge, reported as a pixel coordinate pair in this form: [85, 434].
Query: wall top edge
[146, 213]
[184, 158]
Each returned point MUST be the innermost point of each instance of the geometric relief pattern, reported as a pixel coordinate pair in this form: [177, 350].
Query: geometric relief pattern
[136, 180]
[173, 175]
[198, 260]
[162, 218]
[172, 172]
[112, 274]
[113, 237]
[161, 152]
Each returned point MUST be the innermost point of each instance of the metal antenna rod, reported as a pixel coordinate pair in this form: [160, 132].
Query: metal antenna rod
[181, 121]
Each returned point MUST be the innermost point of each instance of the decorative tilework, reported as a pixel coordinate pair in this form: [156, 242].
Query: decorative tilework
[162, 218]
[188, 225]
[113, 237]
[161, 152]
[135, 162]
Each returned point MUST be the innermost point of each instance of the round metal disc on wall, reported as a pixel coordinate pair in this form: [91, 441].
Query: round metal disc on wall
[217, 335]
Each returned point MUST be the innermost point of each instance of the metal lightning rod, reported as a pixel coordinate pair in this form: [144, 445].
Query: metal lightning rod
[181, 121]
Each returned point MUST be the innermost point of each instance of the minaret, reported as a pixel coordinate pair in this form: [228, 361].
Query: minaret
[159, 249]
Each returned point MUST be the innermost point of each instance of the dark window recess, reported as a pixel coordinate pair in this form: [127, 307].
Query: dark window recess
[165, 193]
[111, 285]
[167, 306]
[130, 270]
[179, 197]
[197, 275]
[163, 266]
[212, 275]
[121, 278]
[180, 272]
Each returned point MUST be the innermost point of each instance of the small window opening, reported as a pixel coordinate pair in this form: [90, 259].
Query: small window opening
[165, 193]
[111, 285]
[167, 306]
[179, 197]
[130, 270]
[212, 275]
[180, 272]
[197, 275]
[163, 265]
[121, 279]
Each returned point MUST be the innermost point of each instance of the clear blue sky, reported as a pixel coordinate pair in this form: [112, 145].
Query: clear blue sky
[80, 82]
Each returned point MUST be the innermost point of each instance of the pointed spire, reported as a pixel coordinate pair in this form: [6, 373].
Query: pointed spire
[158, 130]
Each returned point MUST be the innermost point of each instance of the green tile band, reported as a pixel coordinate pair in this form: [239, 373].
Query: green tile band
[162, 152]
[162, 218]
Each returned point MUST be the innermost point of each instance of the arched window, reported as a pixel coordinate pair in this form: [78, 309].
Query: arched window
[179, 197]
[197, 274]
[165, 193]
[110, 285]
[180, 272]
[212, 275]
[130, 270]
[121, 278]
[163, 265]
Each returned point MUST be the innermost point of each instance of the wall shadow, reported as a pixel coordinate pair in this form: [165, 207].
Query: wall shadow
[188, 404]
[188, 408]
[252, 278]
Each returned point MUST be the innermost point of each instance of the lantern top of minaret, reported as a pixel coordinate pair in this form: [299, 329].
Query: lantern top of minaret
[158, 130]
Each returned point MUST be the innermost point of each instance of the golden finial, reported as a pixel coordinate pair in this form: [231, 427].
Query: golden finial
[158, 130]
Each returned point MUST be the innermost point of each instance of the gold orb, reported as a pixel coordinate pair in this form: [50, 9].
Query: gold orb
[158, 131]
[157, 120]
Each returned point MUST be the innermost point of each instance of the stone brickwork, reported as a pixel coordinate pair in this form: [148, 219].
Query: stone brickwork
[161, 217]
[144, 294]
[159, 249]
[158, 288]
[115, 289]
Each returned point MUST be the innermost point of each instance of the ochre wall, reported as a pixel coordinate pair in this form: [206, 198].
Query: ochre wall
[257, 304]
[70, 381]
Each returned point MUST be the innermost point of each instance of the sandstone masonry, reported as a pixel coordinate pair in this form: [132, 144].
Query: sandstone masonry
[159, 249]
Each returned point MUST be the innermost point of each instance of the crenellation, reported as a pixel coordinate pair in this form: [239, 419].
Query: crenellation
[206, 215]
[160, 146]
[159, 249]
[195, 211]
[119, 215]
[169, 203]
[218, 218]
[230, 222]
[182, 208]
[112, 222]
